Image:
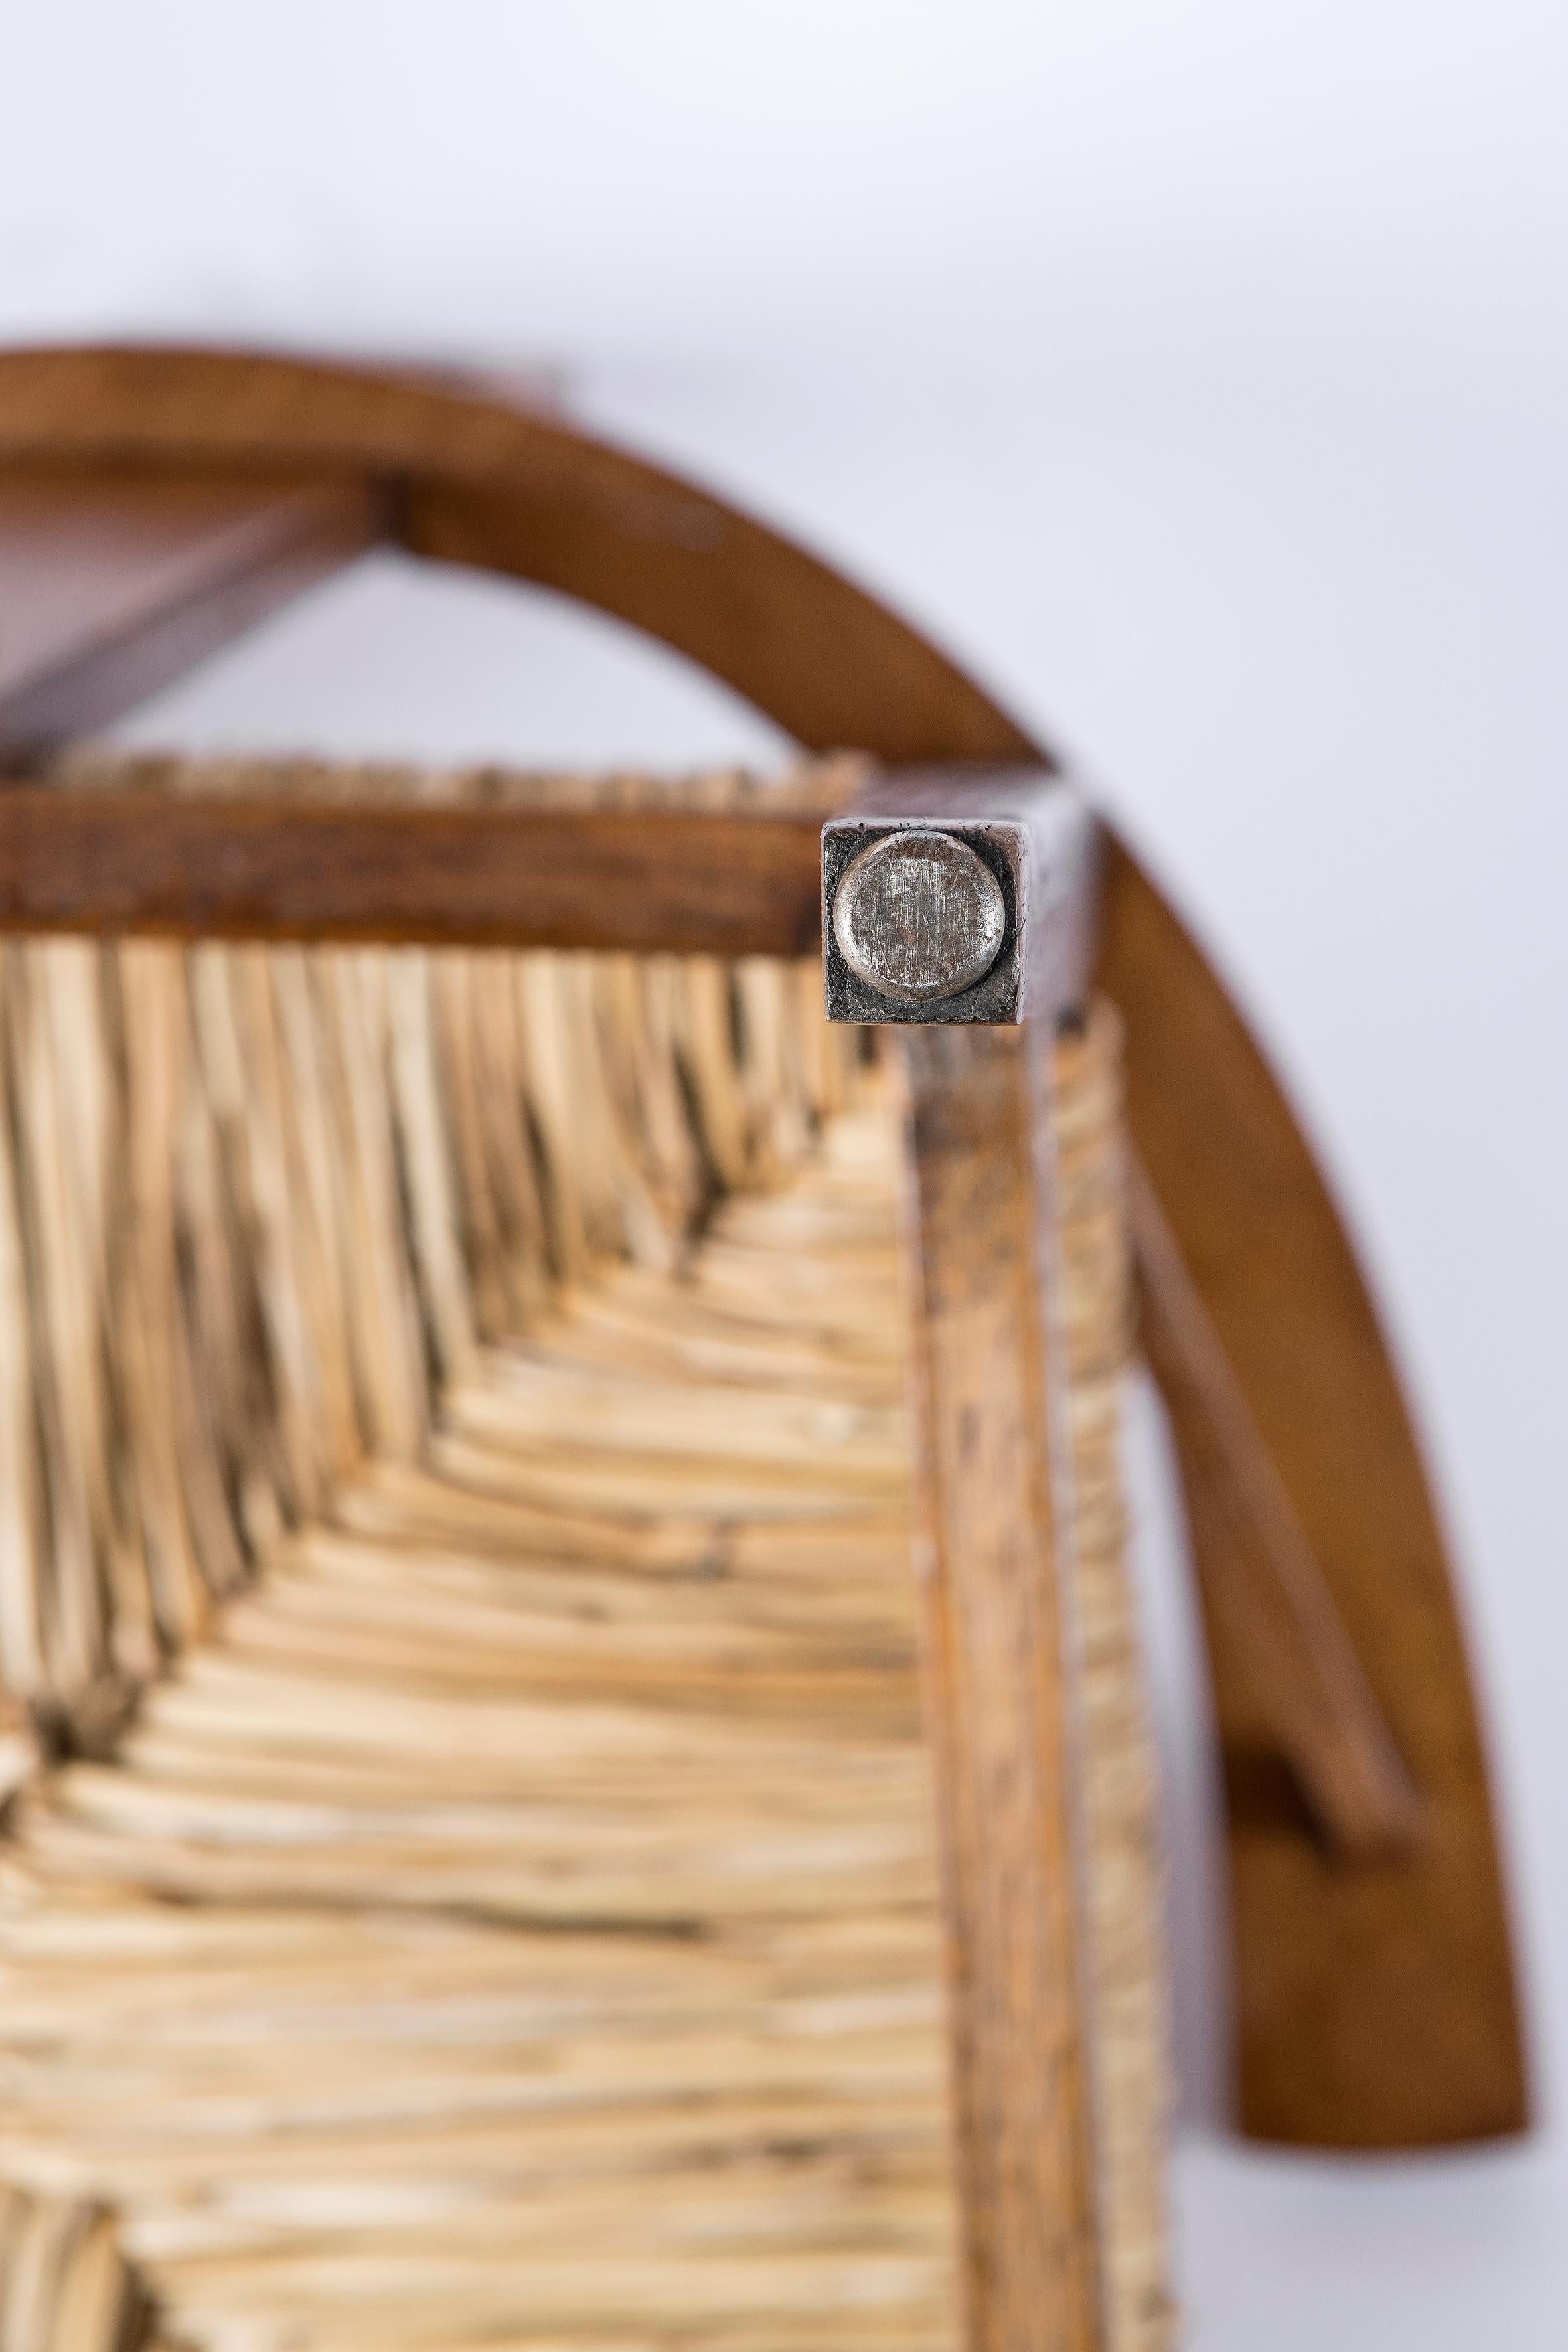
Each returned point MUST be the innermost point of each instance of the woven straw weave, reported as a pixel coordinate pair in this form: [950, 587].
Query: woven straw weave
[468, 1880]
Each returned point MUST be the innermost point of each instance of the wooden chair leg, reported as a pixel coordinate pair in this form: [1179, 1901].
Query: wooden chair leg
[994, 1549]
[1260, 1579]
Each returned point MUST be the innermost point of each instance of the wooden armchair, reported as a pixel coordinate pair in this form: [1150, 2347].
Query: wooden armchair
[971, 909]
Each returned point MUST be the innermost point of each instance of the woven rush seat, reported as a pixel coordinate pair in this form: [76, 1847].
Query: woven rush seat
[553, 1943]
[487, 1896]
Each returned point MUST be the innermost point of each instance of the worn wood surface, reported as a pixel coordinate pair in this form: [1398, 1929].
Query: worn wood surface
[1375, 2006]
[1372, 2012]
[994, 1553]
[287, 866]
[110, 587]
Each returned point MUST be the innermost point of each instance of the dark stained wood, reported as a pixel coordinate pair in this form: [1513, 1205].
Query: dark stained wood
[1374, 2008]
[111, 588]
[997, 1650]
[1260, 1578]
[280, 867]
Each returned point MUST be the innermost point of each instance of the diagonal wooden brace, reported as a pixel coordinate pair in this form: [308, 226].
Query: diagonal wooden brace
[1375, 2007]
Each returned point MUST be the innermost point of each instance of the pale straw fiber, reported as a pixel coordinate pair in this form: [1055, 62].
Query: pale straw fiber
[467, 1879]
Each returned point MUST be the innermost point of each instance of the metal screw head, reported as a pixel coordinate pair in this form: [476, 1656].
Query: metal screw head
[918, 916]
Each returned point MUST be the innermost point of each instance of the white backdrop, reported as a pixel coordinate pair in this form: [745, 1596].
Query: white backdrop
[1199, 374]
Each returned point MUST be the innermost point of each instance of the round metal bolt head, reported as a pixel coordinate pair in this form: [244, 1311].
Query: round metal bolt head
[919, 917]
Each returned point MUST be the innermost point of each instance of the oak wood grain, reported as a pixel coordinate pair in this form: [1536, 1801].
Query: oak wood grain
[1374, 2009]
[994, 1553]
[111, 587]
[282, 866]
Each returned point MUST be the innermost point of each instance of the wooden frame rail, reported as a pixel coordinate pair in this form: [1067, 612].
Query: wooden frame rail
[284, 867]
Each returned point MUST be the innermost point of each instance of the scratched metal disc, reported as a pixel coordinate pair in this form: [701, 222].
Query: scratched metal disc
[918, 916]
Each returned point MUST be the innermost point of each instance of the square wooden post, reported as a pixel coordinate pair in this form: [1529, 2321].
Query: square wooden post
[994, 1549]
[970, 927]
